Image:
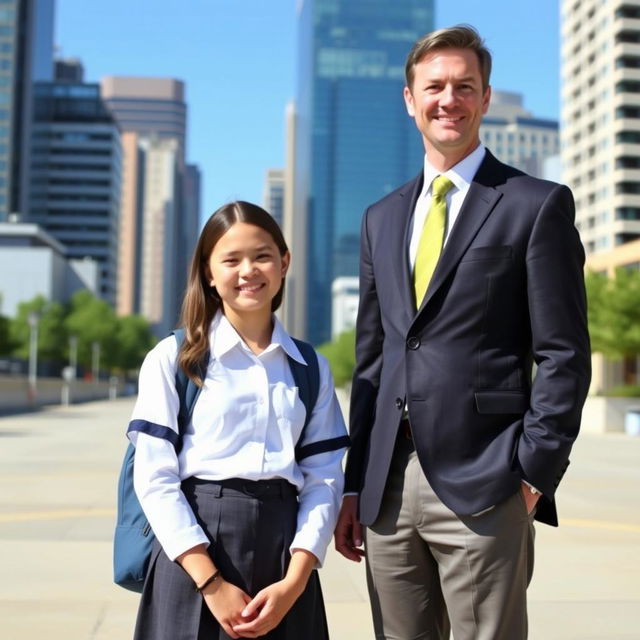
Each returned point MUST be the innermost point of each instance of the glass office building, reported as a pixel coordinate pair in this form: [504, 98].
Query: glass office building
[354, 140]
[75, 173]
[26, 55]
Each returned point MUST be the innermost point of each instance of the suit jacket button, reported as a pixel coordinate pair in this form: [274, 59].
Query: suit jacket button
[413, 343]
[399, 403]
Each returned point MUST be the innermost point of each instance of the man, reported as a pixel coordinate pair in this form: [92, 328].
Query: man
[465, 281]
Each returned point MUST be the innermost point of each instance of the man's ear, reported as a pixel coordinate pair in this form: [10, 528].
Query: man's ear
[409, 102]
[486, 99]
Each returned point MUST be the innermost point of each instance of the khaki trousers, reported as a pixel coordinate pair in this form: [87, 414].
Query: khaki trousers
[430, 571]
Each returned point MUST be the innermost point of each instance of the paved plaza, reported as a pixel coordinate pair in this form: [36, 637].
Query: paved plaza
[58, 473]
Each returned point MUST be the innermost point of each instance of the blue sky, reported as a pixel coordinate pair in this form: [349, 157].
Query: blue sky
[237, 58]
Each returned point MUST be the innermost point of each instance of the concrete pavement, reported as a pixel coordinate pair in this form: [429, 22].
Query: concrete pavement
[58, 472]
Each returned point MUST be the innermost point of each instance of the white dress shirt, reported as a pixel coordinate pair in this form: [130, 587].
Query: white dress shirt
[245, 424]
[461, 175]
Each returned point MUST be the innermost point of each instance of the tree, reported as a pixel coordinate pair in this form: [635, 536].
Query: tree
[6, 345]
[341, 355]
[52, 336]
[614, 317]
[134, 339]
[92, 321]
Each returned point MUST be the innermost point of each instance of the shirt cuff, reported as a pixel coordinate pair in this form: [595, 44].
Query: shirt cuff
[183, 541]
[316, 547]
[534, 489]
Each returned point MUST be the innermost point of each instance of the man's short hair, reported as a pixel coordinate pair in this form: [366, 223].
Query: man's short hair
[462, 36]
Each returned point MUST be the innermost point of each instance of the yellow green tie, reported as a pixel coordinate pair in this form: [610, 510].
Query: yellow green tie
[432, 237]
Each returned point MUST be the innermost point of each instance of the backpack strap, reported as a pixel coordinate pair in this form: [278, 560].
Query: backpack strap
[188, 391]
[307, 379]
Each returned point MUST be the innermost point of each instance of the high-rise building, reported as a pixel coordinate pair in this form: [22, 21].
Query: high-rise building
[129, 236]
[152, 115]
[75, 175]
[68, 70]
[273, 194]
[354, 140]
[344, 307]
[600, 122]
[190, 227]
[517, 137]
[148, 106]
[26, 55]
[160, 240]
[293, 310]
[152, 230]
[600, 142]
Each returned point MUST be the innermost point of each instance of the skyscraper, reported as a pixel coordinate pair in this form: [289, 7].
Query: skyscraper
[600, 141]
[159, 188]
[148, 106]
[354, 139]
[26, 55]
[273, 194]
[75, 175]
[516, 136]
[601, 118]
[160, 241]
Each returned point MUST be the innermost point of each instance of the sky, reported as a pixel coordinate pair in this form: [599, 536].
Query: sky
[238, 60]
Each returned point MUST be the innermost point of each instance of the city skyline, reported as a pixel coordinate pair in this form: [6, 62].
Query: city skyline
[237, 59]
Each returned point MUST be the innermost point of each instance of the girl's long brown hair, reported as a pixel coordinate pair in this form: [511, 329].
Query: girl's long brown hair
[201, 301]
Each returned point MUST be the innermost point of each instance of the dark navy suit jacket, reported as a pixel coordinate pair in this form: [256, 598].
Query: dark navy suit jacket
[508, 291]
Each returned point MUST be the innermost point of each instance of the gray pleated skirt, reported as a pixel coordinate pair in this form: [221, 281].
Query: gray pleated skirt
[251, 526]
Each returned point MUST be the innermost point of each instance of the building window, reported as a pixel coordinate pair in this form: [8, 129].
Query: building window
[628, 162]
[628, 11]
[632, 62]
[623, 238]
[628, 86]
[628, 136]
[628, 187]
[628, 213]
[628, 36]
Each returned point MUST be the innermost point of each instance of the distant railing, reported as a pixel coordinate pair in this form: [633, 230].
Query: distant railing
[16, 395]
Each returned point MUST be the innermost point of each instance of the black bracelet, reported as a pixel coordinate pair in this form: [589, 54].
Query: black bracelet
[208, 581]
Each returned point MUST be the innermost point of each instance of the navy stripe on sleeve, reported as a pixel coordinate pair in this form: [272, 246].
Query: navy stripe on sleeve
[322, 447]
[153, 429]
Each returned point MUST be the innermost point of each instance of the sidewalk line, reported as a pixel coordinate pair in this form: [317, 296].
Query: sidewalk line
[25, 516]
[600, 524]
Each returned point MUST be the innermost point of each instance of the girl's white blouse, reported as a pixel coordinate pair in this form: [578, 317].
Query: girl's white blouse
[245, 424]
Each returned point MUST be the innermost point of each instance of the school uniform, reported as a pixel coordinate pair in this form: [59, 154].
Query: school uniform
[235, 484]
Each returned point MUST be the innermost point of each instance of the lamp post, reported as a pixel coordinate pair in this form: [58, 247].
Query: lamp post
[73, 355]
[95, 360]
[33, 319]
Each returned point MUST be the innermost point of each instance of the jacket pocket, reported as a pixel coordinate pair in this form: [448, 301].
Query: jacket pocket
[501, 401]
[500, 252]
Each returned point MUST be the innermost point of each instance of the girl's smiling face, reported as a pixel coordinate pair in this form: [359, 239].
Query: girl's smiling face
[246, 268]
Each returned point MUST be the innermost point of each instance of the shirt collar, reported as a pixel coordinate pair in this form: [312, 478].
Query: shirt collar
[460, 174]
[227, 338]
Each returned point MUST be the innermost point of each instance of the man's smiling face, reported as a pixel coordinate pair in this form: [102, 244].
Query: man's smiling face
[447, 101]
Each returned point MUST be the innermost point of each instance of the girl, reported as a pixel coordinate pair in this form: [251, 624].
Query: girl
[239, 524]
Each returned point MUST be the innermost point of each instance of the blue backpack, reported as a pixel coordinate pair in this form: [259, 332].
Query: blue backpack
[133, 539]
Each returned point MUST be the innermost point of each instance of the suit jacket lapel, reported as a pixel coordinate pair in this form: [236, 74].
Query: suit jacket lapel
[400, 240]
[480, 201]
